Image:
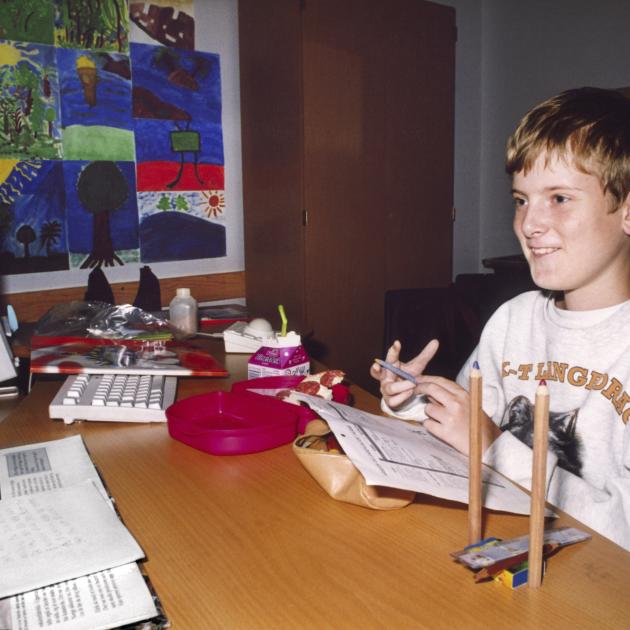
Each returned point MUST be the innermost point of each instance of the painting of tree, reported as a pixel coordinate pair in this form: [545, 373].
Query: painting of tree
[101, 213]
[92, 24]
[49, 235]
[25, 235]
[102, 189]
[32, 217]
[29, 101]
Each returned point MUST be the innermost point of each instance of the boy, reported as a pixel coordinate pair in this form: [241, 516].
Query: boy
[569, 159]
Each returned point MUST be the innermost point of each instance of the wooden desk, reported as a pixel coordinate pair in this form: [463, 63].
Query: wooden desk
[252, 541]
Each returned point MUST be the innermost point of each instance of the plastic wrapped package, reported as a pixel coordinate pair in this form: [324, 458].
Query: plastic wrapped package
[99, 319]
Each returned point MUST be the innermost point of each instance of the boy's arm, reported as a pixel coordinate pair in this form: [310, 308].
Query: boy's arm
[606, 510]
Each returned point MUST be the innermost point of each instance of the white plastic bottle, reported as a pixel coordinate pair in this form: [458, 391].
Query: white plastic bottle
[182, 313]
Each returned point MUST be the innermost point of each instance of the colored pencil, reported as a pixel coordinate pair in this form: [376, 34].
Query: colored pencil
[396, 370]
[474, 456]
[539, 482]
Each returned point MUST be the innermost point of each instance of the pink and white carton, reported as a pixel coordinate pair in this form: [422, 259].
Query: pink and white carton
[284, 357]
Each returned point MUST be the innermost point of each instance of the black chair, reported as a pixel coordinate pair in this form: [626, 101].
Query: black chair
[415, 316]
[455, 315]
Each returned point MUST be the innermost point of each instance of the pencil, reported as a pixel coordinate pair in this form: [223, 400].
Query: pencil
[474, 456]
[539, 482]
[396, 370]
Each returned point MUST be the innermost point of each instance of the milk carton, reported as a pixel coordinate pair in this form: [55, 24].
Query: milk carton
[283, 356]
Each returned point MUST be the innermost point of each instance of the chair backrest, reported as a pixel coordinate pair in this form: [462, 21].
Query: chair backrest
[415, 316]
[455, 315]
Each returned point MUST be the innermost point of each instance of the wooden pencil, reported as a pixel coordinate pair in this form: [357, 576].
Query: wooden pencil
[539, 482]
[474, 456]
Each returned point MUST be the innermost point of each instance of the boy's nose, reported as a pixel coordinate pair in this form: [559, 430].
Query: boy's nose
[534, 220]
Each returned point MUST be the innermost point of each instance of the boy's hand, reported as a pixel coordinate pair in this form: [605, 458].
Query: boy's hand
[395, 390]
[448, 414]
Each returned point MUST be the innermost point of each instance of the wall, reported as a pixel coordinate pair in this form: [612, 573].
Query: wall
[217, 32]
[511, 55]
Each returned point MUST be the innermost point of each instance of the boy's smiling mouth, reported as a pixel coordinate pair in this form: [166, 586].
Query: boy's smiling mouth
[543, 251]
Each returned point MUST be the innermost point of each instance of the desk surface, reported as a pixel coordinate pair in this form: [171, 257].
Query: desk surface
[253, 542]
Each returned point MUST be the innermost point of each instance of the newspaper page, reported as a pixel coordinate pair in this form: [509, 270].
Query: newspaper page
[60, 535]
[108, 599]
[46, 466]
[115, 597]
[397, 454]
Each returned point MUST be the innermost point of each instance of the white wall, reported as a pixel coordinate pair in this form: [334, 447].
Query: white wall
[512, 54]
[531, 51]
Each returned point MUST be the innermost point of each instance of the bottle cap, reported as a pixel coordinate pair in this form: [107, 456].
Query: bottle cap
[183, 292]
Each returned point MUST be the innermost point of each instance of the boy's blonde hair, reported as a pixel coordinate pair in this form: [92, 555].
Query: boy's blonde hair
[588, 126]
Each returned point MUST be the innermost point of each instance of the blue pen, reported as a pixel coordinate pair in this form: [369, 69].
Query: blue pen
[396, 370]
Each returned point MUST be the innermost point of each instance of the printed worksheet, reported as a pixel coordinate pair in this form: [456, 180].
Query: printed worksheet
[60, 535]
[108, 599]
[45, 466]
[397, 454]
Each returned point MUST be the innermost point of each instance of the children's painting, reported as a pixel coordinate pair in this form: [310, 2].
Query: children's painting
[102, 213]
[32, 217]
[27, 20]
[92, 24]
[29, 101]
[168, 22]
[110, 152]
[95, 105]
[177, 111]
[179, 153]
[178, 226]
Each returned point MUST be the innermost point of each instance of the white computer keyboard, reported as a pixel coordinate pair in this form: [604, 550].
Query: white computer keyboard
[114, 397]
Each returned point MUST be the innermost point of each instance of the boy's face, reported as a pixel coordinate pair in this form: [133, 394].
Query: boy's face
[571, 239]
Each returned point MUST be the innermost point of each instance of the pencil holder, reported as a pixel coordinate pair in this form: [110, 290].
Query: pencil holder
[321, 455]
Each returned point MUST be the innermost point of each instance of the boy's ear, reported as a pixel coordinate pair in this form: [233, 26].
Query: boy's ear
[625, 215]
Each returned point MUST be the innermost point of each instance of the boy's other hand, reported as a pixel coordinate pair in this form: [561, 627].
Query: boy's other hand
[448, 414]
[395, 390]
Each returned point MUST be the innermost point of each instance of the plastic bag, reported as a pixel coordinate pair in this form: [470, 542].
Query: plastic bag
[99, 319]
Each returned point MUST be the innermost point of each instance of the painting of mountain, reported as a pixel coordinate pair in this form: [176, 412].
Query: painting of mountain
[180, 236]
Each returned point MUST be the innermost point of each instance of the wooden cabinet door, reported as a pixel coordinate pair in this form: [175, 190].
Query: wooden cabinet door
[378, 150]
[270, 41]
[347, 110]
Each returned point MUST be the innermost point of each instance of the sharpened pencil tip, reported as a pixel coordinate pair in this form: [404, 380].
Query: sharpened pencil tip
[476, 365]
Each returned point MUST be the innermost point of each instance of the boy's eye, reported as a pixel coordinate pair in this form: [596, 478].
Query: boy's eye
[519, 202]
[560, 199]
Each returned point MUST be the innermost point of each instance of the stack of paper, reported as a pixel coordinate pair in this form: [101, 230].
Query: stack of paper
[68, 562]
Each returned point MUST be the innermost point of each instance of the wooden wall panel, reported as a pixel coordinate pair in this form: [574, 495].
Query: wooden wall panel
[30, 306]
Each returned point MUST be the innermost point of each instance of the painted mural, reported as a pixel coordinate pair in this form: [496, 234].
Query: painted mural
[92, 24]
[179, 152]
[95, 89]
[33, 234]
[107, 149]
[102, 213]
[168, 22]
[27, 21]
[29, 101]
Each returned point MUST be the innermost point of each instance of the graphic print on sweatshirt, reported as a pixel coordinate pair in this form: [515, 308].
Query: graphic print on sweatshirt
[564, 441]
